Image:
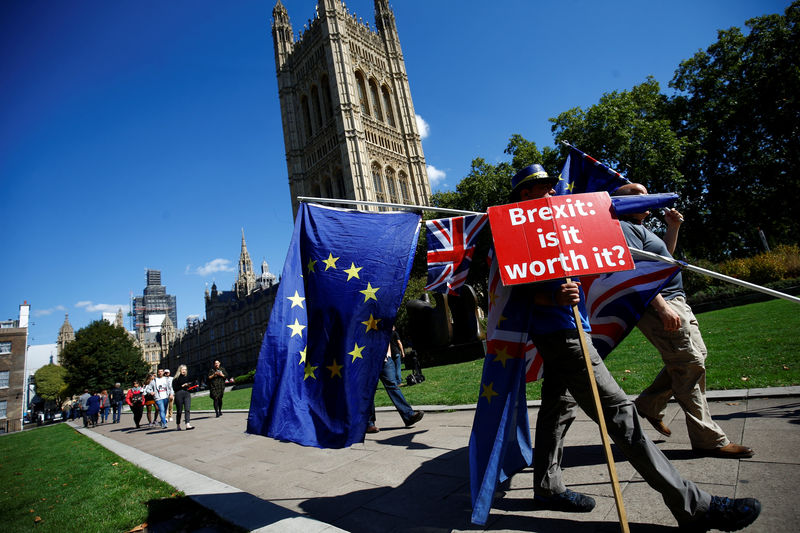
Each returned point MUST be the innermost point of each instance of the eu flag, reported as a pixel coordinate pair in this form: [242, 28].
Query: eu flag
[342, 282]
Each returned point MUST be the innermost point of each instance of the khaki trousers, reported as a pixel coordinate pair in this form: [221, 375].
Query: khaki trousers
[683, 376]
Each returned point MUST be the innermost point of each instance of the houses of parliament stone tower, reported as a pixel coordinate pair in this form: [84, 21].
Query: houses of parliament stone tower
[348, 120]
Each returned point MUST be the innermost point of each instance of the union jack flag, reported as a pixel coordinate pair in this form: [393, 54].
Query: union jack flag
[583, 173]
[451, 243]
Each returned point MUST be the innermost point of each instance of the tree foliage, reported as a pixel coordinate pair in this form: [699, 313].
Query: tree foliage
[101, 355]
[50, 384]
[738, 108]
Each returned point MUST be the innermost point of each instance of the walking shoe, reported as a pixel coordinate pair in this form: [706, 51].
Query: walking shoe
[658, 425]
[568, 502]
[726, 514]
[416, 416]
[729, 451]
[372, 428]
[179, 427]
[189, 426]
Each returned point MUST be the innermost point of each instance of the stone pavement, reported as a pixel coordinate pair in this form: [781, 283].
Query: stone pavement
[417, 479]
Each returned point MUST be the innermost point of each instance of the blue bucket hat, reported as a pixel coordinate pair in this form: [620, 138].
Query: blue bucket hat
[530, 175]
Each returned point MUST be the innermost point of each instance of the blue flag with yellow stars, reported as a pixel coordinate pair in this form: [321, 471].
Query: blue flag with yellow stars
[325, 344]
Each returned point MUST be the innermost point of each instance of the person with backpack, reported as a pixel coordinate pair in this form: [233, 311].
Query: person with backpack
[135, 398]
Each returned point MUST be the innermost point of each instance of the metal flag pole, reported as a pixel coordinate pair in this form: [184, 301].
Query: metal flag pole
[635, 251]
[385, 204]
[711, 273]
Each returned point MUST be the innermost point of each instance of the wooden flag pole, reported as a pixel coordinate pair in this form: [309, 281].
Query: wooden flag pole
[601, 421]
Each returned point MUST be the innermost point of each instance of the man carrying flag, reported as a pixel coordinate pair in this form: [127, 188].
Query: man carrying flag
[669, 324]
[553, 330]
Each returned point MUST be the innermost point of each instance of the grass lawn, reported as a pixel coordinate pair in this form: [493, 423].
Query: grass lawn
[750, 346]
[55, 479]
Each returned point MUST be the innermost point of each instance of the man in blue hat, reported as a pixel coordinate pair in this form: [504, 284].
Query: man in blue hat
[553, 330]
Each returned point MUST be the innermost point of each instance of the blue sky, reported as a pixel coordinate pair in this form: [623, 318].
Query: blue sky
[147, 134]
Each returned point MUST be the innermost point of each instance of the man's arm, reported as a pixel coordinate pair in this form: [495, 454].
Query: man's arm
[674, 220]
[670, 319]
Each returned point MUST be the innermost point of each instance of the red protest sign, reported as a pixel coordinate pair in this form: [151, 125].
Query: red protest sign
[558, 236]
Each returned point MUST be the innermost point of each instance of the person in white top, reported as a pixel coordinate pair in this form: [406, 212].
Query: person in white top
[171, 396]
[161, 389]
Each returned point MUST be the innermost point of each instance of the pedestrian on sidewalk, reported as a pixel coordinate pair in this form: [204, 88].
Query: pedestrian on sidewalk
[150, 401]
[171, 397]
[553, 329]
[84, 399]
[216, 386]
[105, 406]
[117, 399]
[390, 377]
[161, 390]
[670, 326]
[183, 399]
[93, 408]
[135, 398]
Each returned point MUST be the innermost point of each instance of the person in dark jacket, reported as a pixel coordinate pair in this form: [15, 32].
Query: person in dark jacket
[216, 386]
[183, 400]
[117, 398]
[93, 408]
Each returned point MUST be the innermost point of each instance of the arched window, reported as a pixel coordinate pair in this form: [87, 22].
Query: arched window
[404, 196]
[376, 102]
[377, 182]
[391, 185]
[306, 115]
[326, 96]
[316, 106]
[362, 94]
[387, 105]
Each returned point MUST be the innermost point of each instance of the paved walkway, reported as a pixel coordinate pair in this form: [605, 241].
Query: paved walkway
[417, 479]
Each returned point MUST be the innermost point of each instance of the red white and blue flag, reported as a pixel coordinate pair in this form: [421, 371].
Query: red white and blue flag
[451, 243]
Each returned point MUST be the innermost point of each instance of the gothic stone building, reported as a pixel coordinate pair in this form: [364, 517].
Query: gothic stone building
[233, 328]
[348, 120]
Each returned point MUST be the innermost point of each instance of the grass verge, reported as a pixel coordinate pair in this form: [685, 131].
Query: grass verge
[55, 479]
[750, 346]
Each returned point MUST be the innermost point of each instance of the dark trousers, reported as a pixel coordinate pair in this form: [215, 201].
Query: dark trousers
[183, 401]
[217, 405]
[137, 409]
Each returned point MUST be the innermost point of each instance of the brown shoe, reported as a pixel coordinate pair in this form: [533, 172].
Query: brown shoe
[729, 451]
[658, 425]
[372, 428]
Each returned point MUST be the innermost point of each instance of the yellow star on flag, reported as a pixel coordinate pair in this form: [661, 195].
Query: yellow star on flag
[488, 392]
[297, 300]
[356, 353]
[570, 186]
[303, 355]
[336, 369]
[352, 272]
[502, 356]
[311, 264]
[372, 323]
[330, 262]
[309, 372]
[297, 328]
[369, 292]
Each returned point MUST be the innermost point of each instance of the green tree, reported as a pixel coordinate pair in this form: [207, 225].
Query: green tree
[50, 384]
[738, 107]
[101, 355]
[631, 132]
